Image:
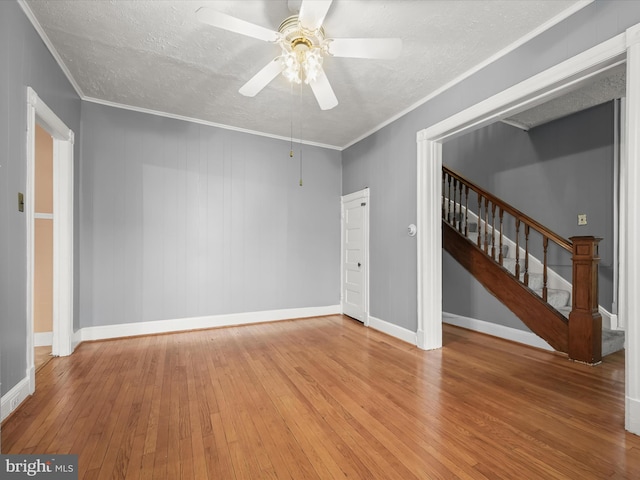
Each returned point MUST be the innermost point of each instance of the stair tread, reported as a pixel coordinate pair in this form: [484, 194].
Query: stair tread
[612, 340]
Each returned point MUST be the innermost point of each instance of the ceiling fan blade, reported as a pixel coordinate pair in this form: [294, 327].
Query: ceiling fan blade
[323, 92]
[365, 47]
[312, 13]
[262, 78]
[233, 24]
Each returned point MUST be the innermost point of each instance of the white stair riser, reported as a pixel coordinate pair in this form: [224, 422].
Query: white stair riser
[612, 341]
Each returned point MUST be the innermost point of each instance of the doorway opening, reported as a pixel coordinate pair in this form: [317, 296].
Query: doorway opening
[40, 116]
[43, 247]
[542, 87]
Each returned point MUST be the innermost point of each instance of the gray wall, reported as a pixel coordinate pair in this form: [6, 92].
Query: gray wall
[386, 160]
[24, 61]
[181, 220]
[551, 173]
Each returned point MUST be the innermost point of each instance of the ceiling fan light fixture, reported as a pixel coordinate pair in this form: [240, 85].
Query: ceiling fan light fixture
[303, 45]
[291, 70]
[312, 65]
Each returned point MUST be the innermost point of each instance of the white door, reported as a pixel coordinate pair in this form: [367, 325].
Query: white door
[355, 238]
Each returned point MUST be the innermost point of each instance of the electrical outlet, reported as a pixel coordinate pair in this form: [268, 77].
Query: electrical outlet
[14, 403]
[582, 219]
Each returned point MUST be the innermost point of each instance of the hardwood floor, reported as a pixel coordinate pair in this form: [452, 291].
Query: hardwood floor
[41, 355]
[326, 398]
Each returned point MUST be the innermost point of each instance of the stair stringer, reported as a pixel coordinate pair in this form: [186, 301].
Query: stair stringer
[535, 313]
[554, 279]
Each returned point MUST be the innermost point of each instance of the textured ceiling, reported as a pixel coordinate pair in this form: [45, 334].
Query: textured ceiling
[155, 55]
[600, 89]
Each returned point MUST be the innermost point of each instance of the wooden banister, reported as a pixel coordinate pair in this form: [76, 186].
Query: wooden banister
[584, 329]
[585, 322]
[554, 237]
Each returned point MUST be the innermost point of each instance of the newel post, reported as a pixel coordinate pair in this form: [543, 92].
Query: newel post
[585, 322]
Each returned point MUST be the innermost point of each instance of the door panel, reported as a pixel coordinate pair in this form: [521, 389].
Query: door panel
[353, 256]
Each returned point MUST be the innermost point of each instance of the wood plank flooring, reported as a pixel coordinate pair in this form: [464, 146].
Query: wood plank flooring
[41, 355]
[326, 398]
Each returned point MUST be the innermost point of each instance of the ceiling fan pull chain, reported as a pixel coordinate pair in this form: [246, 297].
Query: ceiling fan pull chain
[300, 134]
[291, 143]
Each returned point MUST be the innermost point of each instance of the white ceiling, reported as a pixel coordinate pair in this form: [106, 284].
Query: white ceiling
[601, 88]
[155, 55]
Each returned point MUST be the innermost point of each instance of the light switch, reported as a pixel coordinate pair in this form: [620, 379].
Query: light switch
[582, 219]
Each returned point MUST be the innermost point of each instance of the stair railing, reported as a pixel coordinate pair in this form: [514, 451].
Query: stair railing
[463, 201]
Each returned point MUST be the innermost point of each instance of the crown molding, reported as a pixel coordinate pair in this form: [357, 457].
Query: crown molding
[508, 49]
[45, 38]
[206, 122]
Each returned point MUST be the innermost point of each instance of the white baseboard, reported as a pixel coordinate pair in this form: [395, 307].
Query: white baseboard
[196, 323]
[393, 330]
[632, 415]
[508, 333]
[14, 397]
[43, 339]
[76, 339]
[609, 320]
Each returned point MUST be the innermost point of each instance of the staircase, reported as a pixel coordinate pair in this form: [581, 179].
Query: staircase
[507, 269]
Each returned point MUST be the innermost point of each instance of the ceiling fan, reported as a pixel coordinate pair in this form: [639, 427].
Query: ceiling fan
[303, 45]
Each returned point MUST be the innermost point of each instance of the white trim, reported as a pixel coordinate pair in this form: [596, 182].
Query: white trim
[495, 330]
[534, 91]
[365, 195]
[63, 138]
[34, 21]
[632, 415]
[32, 101]
[197, 323]
[522, 40]
[429, 193]
[393, 330]
[43, 216]
[617, 139]
[207, 123]
[42, 339]
[629, 305]
[76, 339]
[14, 397]
[540, 88]
[63, 246]
[508, 49]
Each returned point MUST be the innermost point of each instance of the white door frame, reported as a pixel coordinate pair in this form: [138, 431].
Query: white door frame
[63, 138]
[364, 196]
[531, 92]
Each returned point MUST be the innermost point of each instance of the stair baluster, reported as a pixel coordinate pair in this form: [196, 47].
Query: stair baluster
[479, 228]
[545, 244]
[517, 268]
[455, 201]
[526, 254]
[444, 200]
[466, 210]
[449, 202]
[486, 225]
[493, 229]
[459, 216]
[500, 255]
